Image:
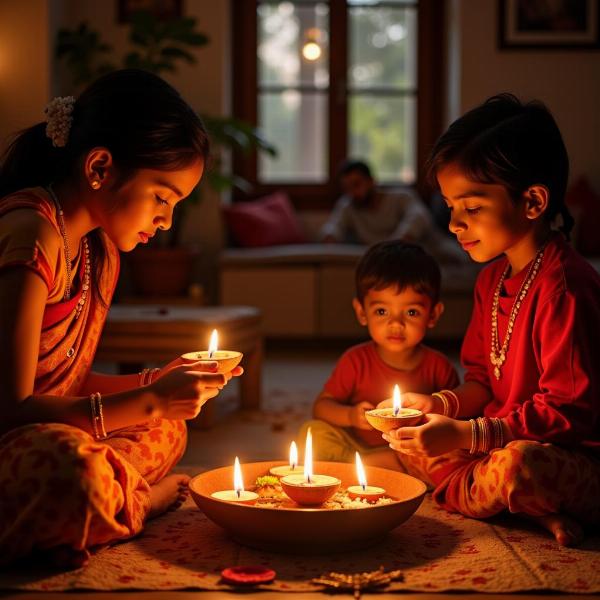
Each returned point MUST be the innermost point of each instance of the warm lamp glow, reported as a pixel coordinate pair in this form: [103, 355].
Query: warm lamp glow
[238, 482]
[308, 466]
[213, 344]
[293, 455]
[397, 400]
[311, 51]
[360, 472]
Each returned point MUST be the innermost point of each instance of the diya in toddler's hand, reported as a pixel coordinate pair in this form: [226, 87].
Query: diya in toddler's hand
[226, 360]
[386, 419]
[309, 489]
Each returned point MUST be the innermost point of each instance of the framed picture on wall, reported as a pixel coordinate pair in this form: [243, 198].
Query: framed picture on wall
[161, 9]
[549, 24]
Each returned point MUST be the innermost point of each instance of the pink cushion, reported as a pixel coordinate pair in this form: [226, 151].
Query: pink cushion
[586, 203]
[268, 221]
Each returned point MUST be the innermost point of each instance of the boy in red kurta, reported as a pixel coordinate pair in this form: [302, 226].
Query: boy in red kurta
[398, 300]
[530, 353]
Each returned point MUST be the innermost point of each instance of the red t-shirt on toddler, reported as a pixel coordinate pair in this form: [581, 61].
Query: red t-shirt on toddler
[360, 375]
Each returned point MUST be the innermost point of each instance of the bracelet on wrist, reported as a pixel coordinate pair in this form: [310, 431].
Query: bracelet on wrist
[449, 402]
[146, 376]
[97, 416]
[486, 434]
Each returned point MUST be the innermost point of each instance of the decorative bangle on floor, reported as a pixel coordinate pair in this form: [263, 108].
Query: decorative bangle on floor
[97, 416]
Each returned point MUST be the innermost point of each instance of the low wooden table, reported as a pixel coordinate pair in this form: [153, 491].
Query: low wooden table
[135, 335]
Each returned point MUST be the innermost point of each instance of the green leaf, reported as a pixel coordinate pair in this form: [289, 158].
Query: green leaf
[173, 52]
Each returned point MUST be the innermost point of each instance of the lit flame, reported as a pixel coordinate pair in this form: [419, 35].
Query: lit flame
[238, 482]
[213, 344]
[308, 466]
[397, 400]
[360, 473]
[293, 455]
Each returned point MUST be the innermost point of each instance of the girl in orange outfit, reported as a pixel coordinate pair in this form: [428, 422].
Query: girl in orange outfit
[521, 434]
[84, 457]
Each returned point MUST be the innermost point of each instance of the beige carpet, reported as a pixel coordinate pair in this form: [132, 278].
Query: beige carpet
[435, 550]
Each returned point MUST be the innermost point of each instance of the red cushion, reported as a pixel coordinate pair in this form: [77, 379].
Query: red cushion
[268, 221]
[586, 206]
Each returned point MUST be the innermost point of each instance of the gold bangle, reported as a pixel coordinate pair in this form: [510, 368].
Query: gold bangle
[152, 373]
[444, 402]
[101, 415]
[454, 409]
[143, 377]
[498, 433]
[474, 428]
[483, 442]
[93, 419]
[97, 416]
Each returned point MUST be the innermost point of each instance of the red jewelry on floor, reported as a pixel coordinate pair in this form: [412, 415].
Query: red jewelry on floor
[252, 575]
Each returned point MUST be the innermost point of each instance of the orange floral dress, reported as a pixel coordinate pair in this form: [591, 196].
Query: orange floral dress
[60, 486]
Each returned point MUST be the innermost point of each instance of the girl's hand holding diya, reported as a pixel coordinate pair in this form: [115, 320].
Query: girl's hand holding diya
[211, 366]
[436, 435]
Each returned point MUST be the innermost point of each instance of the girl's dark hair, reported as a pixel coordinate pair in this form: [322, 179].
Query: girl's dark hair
[138, 116]
[507, 142]
[395, 263]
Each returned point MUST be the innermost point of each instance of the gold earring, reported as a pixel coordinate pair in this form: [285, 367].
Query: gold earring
[95, 184]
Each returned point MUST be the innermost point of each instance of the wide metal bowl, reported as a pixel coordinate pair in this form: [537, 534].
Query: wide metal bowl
[308, 530]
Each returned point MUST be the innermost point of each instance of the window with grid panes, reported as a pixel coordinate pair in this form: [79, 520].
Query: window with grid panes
[328, 80]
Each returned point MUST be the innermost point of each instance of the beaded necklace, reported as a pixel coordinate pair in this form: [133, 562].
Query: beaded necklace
[498, 354]
[86, 252]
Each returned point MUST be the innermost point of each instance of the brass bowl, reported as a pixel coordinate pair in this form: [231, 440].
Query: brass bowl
[303, 530]
[384, 420]
[226, 360]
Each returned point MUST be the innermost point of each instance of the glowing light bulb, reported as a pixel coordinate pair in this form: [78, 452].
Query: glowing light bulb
[311, 51]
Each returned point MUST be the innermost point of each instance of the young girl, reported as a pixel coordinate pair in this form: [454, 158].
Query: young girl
[530, 353]
[84, 457]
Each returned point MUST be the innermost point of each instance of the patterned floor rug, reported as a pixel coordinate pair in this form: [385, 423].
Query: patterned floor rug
[435, 550]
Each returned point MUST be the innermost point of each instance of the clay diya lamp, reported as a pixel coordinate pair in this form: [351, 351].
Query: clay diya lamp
[386, 419]
[370, 493]
[226, 360]
[238, 494]
[292, 468]
[308, 489]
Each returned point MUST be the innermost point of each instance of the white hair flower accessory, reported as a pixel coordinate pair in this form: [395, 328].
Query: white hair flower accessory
[59, 119]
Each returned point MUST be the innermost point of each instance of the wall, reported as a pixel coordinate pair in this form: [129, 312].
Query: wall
[24, 64]
[567, 81]
[204, 85]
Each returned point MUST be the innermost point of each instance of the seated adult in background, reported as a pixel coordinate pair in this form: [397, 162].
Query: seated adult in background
[366, 215]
